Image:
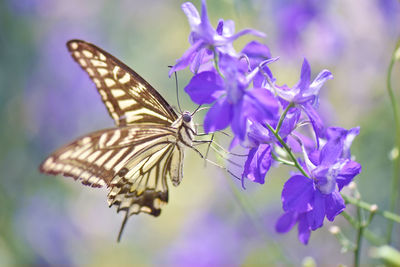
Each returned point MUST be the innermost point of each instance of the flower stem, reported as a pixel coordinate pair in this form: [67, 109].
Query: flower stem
[288, 150]
[370, 236]
[283, 116]
[366, 206]
[396, 160]
[360, 231]
[216, 63]
[283, 161]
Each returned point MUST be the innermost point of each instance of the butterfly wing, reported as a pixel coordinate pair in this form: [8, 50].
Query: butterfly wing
[128, 97]
[134, 161]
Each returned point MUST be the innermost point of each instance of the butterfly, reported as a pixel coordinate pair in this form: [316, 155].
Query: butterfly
[135, 159]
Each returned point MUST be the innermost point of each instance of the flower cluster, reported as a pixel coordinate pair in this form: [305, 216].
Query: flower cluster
[270, 120]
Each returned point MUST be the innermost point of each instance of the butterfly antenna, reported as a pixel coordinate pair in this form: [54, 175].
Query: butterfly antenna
[177, 90]
[122, 227]
[198, 109]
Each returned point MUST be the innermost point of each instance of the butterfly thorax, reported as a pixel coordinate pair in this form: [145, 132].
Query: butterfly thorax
[186, 128]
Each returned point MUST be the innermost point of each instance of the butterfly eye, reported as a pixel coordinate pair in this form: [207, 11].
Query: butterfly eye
[186, 117]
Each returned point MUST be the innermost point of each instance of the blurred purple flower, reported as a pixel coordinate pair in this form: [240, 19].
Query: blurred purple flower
[390, 9]
[204, 39]
[47, 230]
[207, 241]
[28, 7]
[52, 98]
[293, 17]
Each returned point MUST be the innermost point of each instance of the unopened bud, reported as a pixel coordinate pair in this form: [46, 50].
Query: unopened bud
[334, 230]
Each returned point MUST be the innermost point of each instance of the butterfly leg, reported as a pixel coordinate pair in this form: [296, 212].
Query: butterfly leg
[219, 150]
[215, 164]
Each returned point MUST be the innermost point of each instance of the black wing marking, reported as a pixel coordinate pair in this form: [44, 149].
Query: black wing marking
[127, 96]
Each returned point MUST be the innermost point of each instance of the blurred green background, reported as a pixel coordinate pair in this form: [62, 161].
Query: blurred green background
[46, 100]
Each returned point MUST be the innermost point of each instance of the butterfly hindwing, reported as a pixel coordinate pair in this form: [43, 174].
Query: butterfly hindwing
[98, 158]
[128, 97]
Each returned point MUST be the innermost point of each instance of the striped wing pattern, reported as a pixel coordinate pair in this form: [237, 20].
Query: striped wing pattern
[133, 161]
[128, 97]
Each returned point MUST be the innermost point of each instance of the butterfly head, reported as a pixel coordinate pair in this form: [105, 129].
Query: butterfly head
[186, 127]
[187, 117]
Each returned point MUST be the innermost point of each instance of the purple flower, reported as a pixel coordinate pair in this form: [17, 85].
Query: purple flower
[257, 164]
[233, 103]
[308, 201]
[305, 94]
[258, 53]
[205, 40]
[305, 91]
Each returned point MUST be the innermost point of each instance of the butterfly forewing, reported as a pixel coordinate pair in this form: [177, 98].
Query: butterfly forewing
[128, 97]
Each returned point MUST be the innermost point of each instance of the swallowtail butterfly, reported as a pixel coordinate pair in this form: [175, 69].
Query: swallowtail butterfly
[135, 159]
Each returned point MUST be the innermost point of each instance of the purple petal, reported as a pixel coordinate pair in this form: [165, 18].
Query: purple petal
[229, 28]
[325, 179]
[257, 50]
[187, 57]
[239, 120]
[266, 102]
[314, 156]
[258, 163]
[316, 85]
[290, 121]
[220, 26]
[316, 216]
[244, 32]
[198, 59]
[218, 117]
[297, 194]
[205, 87]
[204, 15]
[286, 222]
[334, 204]
[304, 229]
[331, 151]
[347, 173]
[315, 119]
[191, 13]
[351, 134]
[305, 76]
[259, 133]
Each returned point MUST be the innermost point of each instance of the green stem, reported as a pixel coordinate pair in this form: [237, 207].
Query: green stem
[370, 236]
[283, 116]
[396, 161]
[216, 63]
[288, 150]
[283, 161]
[366, 206]
[360, 231]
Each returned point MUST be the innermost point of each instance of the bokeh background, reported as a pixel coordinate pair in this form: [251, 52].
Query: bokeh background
[46, 100]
